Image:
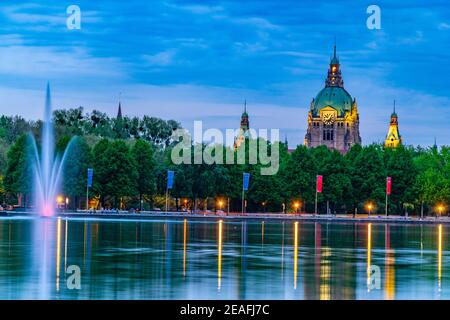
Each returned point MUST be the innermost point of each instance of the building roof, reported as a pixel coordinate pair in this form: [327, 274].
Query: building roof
[336, 97]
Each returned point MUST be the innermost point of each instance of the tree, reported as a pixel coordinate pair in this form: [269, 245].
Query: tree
[19, 172]
[368, 176]
[78, 159]
[142, 153]
[101, 169]
[121, 171]
[299, 175]
[400, 167]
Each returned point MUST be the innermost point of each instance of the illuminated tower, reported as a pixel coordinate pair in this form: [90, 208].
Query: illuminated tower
[393, 138]
[243, 130]
[333, 119]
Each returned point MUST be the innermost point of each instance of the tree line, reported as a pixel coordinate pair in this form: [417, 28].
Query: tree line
[130, 163]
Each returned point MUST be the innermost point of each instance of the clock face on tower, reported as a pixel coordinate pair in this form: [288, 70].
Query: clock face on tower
[328, 117]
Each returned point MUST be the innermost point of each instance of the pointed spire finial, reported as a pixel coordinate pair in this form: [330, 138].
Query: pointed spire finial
[334, 48]
[394, 105]
[119, 111]
[245, 105]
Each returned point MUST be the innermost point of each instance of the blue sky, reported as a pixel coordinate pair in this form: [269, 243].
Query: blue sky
[199, 60]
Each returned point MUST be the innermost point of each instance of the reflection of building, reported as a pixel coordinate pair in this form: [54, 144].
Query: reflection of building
[333, 119]
[393, 138]
[243, 130]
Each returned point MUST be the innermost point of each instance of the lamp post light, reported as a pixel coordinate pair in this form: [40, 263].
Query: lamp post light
[220, 204]
[369, 208]
[296, 206]
[440, 209]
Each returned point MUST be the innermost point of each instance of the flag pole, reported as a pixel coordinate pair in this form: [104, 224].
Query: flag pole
[386, 204]
[167, 195]
[243, 201]
[87, 197]
[315, 210]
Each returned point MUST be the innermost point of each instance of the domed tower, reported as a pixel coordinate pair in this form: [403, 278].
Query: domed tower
[243, 130]
[393, 138]
[333, 119]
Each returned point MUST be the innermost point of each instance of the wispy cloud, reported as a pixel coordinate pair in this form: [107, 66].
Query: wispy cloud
[160, 59]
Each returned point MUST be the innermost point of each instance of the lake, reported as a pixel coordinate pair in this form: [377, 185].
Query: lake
[73, 258]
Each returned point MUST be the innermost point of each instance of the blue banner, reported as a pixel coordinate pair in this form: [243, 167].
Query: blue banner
[170, 176]
[246, 180]
[90, 173]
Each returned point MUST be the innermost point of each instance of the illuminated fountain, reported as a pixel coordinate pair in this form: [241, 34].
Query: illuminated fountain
[47, 168]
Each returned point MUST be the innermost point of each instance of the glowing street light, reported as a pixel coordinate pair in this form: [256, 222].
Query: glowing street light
[296, 206]
[370, 206]
[220, 204]
[59, 199]
[440, 209]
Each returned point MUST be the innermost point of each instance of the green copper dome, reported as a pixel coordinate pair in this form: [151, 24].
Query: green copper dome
[336, 97]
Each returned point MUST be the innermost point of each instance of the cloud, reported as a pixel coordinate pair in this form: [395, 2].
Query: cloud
[161, 59]
[54, 62]
[444, 26]
[199, 9]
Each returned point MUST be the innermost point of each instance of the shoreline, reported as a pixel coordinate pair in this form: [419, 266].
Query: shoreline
[151, 215]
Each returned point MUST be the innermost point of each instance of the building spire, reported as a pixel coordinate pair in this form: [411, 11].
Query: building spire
[334, 48]
[393, 138]
[119, 111]
[245, 106]
[334, 77]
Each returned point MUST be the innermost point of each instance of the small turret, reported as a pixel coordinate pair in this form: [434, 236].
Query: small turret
[393, 138]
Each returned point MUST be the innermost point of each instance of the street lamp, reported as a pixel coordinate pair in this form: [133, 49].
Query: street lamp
[369, 208]
[440, 209]
[220, 204]
[296, 206]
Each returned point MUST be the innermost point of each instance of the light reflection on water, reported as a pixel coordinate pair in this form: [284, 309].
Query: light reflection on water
[184, 259]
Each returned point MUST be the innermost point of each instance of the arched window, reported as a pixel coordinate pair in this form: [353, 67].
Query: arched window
[328, 133]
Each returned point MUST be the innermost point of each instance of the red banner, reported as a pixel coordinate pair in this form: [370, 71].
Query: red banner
[388, 185]
[319, 184]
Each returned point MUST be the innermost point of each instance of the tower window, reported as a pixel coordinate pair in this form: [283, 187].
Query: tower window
[328, 133]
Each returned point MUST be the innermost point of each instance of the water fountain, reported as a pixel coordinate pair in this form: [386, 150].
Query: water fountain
[47, 168]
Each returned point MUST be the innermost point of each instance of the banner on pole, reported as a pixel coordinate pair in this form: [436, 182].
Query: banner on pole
[246, 180]
[170, 176]
[90, 174]
[319, 184]
[388, 185]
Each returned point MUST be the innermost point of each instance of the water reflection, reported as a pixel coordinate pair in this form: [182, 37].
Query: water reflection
[184, 246]
[58, 252]
[389, 266]
[439, 256]
[295, 253]
[369, 253]
[151, 260]
[219, 253]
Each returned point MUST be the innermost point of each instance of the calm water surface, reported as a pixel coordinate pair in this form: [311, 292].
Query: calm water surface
[185, 259]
